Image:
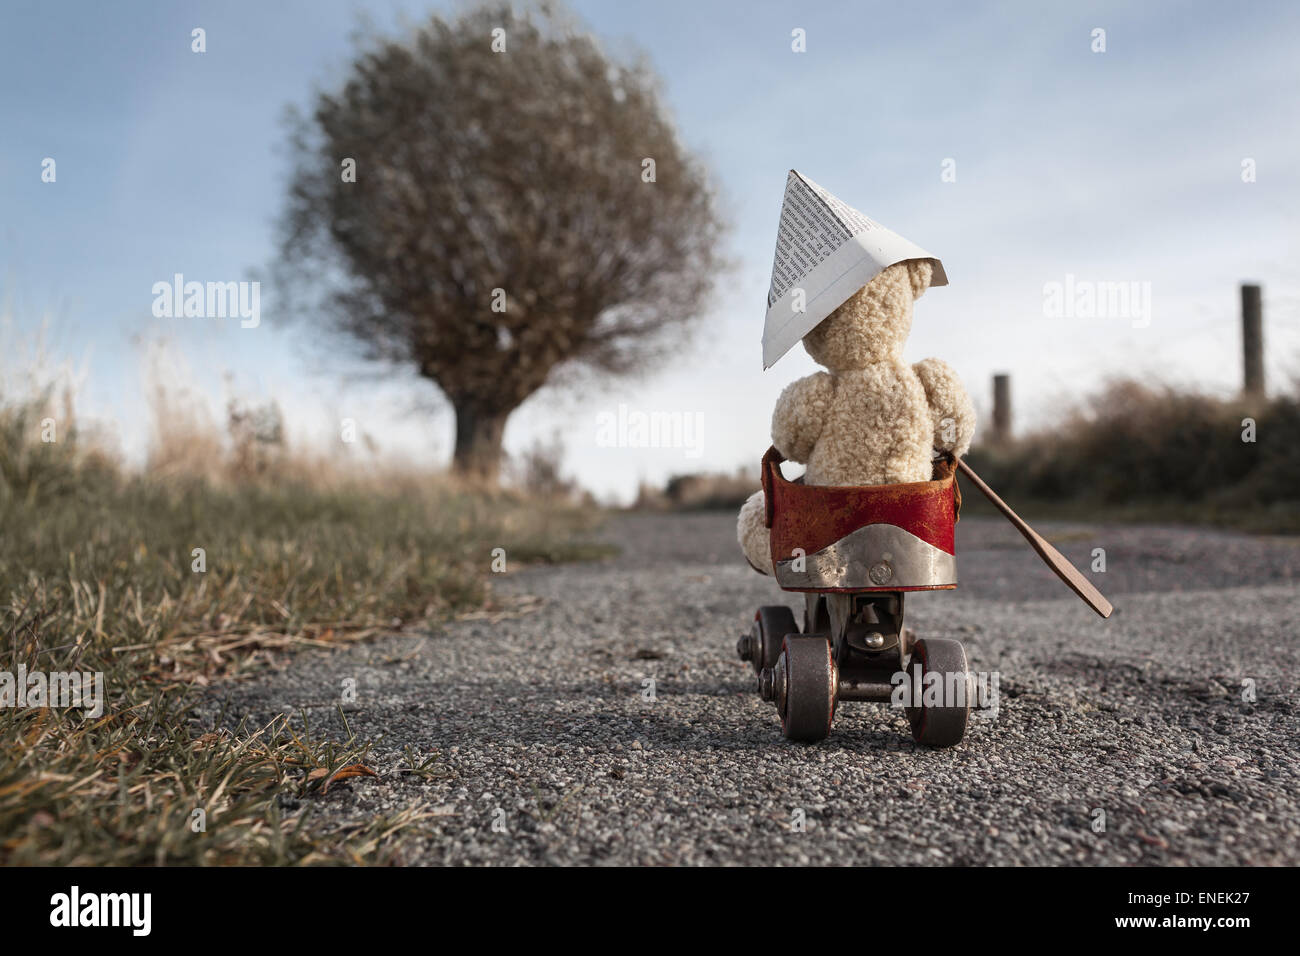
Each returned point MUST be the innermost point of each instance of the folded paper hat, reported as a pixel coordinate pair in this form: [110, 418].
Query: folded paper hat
[825, 251]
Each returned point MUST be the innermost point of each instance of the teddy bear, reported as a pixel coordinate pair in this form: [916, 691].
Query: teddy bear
[870, 418]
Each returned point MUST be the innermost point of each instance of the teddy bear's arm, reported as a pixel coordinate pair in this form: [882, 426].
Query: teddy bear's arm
[800, 412]
[951, 412]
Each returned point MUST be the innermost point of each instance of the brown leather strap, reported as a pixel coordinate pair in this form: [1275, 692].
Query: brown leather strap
[944, 466]
[1064, 570]
[771, 460]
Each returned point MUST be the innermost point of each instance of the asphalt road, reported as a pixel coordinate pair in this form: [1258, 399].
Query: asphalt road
[549, 750]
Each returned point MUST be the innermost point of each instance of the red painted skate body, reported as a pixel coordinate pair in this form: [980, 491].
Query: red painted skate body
[830, 538]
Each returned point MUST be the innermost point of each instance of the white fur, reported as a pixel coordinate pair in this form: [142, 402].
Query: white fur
[871, 419]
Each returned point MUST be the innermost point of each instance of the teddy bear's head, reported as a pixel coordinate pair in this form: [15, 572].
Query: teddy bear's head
[872, 325]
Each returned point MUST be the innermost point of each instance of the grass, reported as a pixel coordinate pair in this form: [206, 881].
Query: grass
[99, 573]
[1282, 518]
[1152, 453]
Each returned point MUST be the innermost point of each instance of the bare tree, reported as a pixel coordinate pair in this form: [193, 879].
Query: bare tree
[493, 199]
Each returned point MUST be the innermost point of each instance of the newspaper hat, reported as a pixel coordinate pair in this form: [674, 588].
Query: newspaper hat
[825, 251]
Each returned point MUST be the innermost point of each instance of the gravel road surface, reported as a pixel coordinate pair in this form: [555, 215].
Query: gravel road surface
[550, 750]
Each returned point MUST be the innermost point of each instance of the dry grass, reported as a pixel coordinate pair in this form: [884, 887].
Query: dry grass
[97, 574]
[1150, 452]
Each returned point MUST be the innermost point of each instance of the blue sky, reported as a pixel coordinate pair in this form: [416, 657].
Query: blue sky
[1122, 166]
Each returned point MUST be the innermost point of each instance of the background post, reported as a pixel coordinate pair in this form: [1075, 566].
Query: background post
[1252, 341]
[1002, 407]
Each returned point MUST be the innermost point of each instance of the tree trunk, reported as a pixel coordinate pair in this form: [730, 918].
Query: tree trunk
[478, 444]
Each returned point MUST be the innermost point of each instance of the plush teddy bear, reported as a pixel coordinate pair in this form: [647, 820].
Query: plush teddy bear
[870, 419]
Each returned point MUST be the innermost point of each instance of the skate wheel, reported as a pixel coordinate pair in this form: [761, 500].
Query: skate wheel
[771, 624]
[944, 724]
[805, 691]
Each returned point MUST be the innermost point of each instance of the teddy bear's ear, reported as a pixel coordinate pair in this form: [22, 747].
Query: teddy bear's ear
[919, 271]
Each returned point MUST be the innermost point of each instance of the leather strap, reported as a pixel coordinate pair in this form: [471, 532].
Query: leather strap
[943, 466]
